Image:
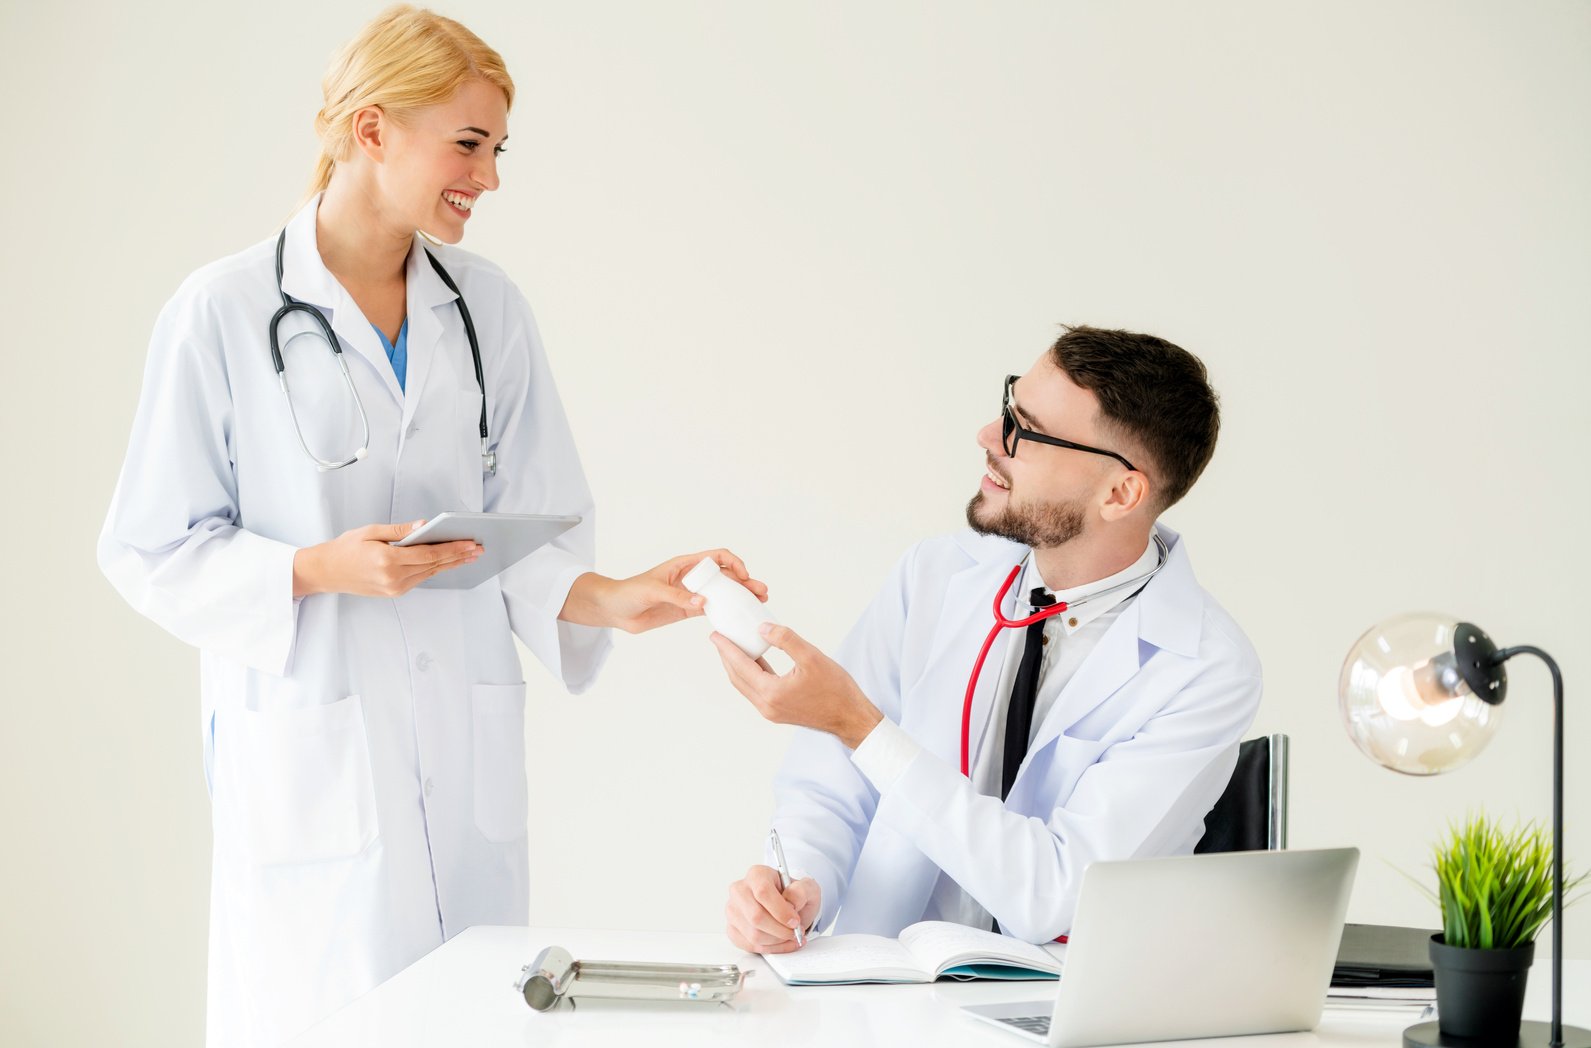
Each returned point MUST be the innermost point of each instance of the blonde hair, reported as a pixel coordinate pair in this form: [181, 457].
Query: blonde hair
[406, 58]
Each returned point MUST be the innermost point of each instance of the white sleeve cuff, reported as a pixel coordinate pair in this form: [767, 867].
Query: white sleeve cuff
[885, 754]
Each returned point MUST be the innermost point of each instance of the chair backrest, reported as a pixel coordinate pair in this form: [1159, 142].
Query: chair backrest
[1252, 812]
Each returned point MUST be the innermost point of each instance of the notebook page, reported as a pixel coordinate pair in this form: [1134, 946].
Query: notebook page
[939, 944]
[838, 958]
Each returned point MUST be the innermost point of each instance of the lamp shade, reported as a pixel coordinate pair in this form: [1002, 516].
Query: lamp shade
[1406, 698]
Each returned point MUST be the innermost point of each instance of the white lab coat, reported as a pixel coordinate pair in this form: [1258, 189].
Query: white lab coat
[365, 756]
[1136, 750]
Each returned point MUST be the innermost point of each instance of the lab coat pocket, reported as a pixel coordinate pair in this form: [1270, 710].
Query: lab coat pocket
[502, 804]
[306, 775]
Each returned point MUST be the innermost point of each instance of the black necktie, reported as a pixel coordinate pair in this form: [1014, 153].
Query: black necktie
[1019, 712]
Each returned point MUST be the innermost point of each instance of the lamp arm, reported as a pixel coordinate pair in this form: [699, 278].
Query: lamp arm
[1503, 655]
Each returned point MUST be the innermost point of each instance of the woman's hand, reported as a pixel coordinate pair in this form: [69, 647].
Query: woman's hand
[651, 599]
[363, 562]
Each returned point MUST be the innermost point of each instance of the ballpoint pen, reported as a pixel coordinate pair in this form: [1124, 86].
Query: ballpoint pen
[784, 878]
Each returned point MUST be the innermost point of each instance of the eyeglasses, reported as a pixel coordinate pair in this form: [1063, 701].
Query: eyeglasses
[1013, 432]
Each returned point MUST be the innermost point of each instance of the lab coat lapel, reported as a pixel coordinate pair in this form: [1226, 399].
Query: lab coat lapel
[958, 637]
[1112, 663]
[355, 331]
[306, 278]
[1166, 615]
[426, 296]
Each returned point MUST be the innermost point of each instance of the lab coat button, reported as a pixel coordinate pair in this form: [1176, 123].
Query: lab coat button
[429, 786]
[423, 663]
[413, 430]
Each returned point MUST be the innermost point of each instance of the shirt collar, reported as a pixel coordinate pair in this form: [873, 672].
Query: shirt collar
[306, 278]
[1088, 609]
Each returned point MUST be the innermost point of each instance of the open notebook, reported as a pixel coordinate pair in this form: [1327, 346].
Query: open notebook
[924, 952]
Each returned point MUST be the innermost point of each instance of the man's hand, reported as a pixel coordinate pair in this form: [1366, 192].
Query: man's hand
[816, 693]
[762, 919]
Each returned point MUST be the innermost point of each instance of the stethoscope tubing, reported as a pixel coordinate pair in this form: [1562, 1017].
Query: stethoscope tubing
[475, 345]
[291, 305]
[1004, 622]
[1001, 622]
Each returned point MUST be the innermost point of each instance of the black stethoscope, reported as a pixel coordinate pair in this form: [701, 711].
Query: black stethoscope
[1004, 622]
[292, 305]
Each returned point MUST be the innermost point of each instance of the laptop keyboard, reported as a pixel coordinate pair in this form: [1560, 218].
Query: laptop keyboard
[1039, 1024]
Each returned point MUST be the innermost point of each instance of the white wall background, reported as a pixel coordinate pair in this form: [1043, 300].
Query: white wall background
[781, 255]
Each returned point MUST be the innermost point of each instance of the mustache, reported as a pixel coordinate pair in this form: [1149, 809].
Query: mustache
[989, 461]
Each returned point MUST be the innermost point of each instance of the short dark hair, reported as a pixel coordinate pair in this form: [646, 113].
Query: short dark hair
[1155, 393]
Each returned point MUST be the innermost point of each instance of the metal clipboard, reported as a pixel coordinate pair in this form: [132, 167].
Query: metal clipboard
[555, 976]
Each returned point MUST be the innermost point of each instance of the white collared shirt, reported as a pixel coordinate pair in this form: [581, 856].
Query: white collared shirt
[1068, 639]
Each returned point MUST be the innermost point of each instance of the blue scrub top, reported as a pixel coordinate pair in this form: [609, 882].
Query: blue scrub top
[398, 354]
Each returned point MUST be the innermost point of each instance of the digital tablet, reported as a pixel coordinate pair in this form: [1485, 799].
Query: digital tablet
[508, 538]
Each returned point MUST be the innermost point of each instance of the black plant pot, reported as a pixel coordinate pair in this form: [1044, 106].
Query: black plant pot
[1480, 993]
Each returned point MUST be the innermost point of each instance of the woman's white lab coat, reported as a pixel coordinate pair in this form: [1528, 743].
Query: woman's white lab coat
[365, 756]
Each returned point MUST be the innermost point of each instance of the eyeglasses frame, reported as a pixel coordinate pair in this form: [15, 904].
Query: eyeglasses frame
[1013, 433]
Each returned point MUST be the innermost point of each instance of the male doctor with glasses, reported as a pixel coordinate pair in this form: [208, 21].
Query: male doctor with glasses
[1106, 731]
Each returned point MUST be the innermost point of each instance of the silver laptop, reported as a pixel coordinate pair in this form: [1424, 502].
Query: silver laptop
[1194, 946]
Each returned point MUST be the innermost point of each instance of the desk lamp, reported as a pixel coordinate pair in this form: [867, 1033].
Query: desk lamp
[1422, 694]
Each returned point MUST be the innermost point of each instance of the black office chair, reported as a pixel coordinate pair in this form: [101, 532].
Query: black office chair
[1252, 813]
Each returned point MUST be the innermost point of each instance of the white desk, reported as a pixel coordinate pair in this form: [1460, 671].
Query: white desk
[463, 994]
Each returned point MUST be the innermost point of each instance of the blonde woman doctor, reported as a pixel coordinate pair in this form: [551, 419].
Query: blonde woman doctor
[363, 739]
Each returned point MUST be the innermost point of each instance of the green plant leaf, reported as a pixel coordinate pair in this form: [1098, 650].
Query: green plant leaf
[1494, 886]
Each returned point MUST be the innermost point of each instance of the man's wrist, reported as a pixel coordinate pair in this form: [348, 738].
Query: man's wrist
[859, 723]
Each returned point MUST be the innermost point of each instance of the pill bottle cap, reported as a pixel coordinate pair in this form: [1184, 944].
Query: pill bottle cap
[700, 575]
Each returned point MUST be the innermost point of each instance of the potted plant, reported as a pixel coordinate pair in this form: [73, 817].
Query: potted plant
[1494, 888]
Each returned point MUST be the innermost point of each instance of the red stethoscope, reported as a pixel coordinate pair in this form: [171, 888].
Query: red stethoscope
[1004, 622]
[1001, 622]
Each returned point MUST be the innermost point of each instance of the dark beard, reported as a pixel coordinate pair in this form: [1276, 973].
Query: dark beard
[1041, 527]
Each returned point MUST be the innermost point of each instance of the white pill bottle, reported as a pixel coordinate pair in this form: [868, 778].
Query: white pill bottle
[733, 609]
